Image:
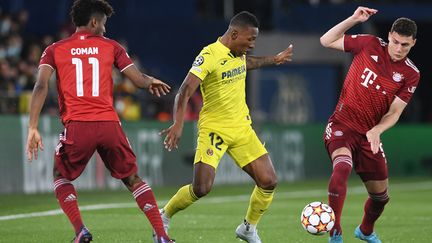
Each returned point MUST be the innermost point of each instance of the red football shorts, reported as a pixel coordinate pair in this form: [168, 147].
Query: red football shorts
[367, 165]
[81, 139]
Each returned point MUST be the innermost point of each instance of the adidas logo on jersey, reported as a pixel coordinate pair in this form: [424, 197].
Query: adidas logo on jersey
[147, 207]
[70, 198]
[375, 57]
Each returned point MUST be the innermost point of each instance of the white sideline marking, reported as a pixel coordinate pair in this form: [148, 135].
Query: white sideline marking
[239, 198]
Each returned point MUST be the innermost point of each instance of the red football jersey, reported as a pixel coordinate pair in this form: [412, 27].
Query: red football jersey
[372, 83]
[83, 64]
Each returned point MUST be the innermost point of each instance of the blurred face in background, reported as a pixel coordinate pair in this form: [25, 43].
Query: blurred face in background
[399, 46]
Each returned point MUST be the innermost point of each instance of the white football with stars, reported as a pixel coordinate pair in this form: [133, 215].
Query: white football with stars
[317, 218]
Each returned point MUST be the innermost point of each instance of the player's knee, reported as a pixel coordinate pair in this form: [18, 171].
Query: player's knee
[341, 173]
[201, 190]
[382, 198]
[268, 183]
[131, 181]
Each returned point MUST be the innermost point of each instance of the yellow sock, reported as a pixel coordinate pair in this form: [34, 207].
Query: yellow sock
[259, 202]
[181, 200]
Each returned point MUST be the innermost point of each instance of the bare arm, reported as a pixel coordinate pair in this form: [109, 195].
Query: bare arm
[334, 37]
[144, 81]
[174, 132]
[40, 91]
[387, 121]
[187, 89]
[253, 62]
[284, 56]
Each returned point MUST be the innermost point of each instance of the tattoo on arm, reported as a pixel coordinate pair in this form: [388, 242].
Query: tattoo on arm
[253, 62]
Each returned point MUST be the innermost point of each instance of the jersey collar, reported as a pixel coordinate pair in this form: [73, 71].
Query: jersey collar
[83, 34]
[224, 49]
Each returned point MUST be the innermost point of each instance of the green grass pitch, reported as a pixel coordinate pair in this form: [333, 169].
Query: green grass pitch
[407, 217]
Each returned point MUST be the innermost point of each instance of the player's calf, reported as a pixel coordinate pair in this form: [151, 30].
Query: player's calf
[373, 209]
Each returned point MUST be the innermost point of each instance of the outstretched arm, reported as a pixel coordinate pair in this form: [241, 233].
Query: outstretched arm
[284, 56]
[387, 121]
[334, 37]
[144, 81]
[174, 132]
[40, 91]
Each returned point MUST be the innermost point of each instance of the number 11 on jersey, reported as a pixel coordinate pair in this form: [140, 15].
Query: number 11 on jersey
[79, 75]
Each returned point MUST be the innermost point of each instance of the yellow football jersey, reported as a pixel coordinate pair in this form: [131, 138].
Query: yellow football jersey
[223, 84]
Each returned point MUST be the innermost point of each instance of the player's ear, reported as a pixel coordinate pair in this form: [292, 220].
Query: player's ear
[93, 22]
[234, 34]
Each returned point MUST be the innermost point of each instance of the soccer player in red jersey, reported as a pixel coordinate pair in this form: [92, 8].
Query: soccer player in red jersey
[83, 65]
[377, 88]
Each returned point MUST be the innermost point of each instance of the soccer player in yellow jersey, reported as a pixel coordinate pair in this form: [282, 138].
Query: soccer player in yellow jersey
[224, 123]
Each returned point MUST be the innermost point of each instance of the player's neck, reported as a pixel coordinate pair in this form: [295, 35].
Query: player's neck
[83, 28]
[225, 41]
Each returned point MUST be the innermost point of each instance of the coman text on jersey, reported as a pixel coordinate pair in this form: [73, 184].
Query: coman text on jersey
[84, 51]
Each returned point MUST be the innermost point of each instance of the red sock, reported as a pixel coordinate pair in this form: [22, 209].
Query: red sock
[337, 188]
[373, 208]
[67, 198]
[147, 203]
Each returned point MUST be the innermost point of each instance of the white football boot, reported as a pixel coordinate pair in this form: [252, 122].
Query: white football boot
[248, 233]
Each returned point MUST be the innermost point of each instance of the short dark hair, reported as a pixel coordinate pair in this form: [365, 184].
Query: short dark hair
[405, 27]
[244, 19]
[83, 10]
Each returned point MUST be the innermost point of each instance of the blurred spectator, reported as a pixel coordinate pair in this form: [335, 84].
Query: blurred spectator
[14, 47]
[127, 108]
[5, 24]
[17, 67]
[8, 75]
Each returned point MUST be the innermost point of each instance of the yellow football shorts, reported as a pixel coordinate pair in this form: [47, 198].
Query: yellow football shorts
[241, 143]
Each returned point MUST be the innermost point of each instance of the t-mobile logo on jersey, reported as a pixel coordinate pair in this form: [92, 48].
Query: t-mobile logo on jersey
[368, 76]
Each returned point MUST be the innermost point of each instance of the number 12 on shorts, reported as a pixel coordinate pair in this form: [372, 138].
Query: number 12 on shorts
[215, 138]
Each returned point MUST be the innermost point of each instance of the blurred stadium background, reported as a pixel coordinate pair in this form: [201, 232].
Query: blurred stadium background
[289, 104]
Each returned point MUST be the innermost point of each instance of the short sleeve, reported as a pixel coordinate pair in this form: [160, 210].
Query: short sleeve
[47, 57]
[355, 43]
[121, 58]
[407, 90]
[203, 65]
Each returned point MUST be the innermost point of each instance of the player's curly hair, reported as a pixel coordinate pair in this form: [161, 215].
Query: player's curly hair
[244, 19]
[405, 27]
[83, 10]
